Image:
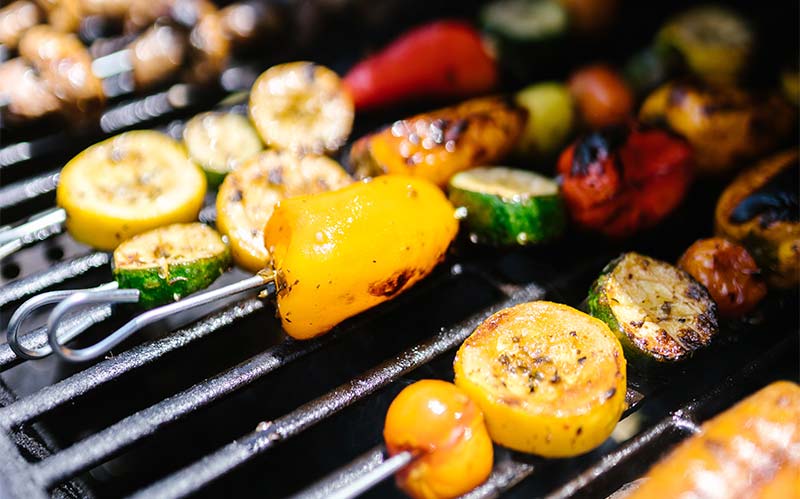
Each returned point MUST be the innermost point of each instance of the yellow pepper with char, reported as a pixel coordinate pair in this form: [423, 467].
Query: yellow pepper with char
[338, 253]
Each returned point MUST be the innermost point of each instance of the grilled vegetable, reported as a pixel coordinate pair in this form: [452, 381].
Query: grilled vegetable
[724, 125]
[171, 262]
[248, 195]
[657, 311]
[210, 49]
[16, 18]
[550, 119]
[750, 450]
[650, 68]
[790, 85]
[220, 142]
[440, 59]
[620, 181]
[508, 207]
[728, 272]
[339, 253]
[126, 185]
[65, 66]
[602, 97]
[157, 55]
[301, 106]
[715, 42]
[439, 423]
[590, 16]
[760, 210]
[549, 379]
[62, 15]
[28, 97]
[441, 143]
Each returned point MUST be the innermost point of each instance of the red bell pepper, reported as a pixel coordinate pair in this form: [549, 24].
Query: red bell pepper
[622, 180]
[440, 59]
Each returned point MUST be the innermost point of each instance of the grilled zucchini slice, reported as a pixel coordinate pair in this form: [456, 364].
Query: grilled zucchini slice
[168, 263]
[508, 207]
[220, 142]
[760, 209]
[129, 184]
[549, 379]
[658, 311]
[302, 107]
[525, 21]
[248, 195]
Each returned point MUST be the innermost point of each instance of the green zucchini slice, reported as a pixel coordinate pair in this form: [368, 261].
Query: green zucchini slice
[508, 207]
[658, 311]
[525, 21]
[171, 262]
[220, 142]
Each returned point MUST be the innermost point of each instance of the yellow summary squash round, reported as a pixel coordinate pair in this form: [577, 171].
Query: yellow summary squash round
[339, 253]
[127, 185]
[549, 379]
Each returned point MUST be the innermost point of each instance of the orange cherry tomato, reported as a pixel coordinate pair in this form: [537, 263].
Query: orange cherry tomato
[728, 272]
[438, 423]
[602, 96]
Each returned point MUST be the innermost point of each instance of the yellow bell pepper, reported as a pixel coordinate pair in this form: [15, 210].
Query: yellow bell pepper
[339, 253]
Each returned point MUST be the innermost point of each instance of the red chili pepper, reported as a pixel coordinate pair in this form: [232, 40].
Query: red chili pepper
[622, 180]
[440, 59]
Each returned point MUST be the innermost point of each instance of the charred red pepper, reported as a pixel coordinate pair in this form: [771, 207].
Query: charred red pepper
[440, 59]
[621, 180]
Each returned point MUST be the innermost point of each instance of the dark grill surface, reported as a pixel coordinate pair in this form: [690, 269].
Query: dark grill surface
[219, 402]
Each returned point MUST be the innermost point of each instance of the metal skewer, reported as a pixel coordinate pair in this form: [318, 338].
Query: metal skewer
[354, 488]
[263, 284]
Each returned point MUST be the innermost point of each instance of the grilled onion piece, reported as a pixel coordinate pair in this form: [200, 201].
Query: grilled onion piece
[126, 185]
[248, 195]
[302, 107]
[171, 262]
[657, 311]
[550, 379]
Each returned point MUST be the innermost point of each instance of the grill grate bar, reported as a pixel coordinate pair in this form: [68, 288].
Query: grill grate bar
[93, 450]
[233, 455]
[58, 273]
[26, 190]
[52, 396]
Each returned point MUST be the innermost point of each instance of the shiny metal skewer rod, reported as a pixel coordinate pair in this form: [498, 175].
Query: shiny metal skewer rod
[38, 227]
[264, 284]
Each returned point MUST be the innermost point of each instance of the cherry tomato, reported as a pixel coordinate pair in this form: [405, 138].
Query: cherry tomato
[602, 96]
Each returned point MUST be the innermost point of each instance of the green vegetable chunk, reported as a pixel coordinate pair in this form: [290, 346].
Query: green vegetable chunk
[171, 262]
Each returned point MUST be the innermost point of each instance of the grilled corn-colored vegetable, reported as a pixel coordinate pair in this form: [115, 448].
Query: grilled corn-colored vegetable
[248, 195]
[760, 210]
[171, 262]
[126, 185]
[750, 450]
[728, 272]
[302, 107]
[339, 253]
[439, 423]
[550, 379]
[723, 124]
[441, 143]
[658, 312]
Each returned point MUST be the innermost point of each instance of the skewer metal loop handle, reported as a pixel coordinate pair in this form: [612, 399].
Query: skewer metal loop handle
[39, 226]
[75, 326]
[256, 283]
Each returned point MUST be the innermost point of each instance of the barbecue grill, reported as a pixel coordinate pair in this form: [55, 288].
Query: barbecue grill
[220, 402]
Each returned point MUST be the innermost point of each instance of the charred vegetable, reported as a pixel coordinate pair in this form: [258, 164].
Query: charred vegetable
[602, 96]
[549, 379]
[220, 142]
[248, 195]
[550, 119]
[715, 42]
[126, 185]
[302, 107]
[760, 210]
[657, 311]
[508, 207]
[171, 262]
[440, 59]
[339, 253]
[620, 181]
[439, 423]
[439, 144]
[765, 424]
[728, 272]
[723, 124]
